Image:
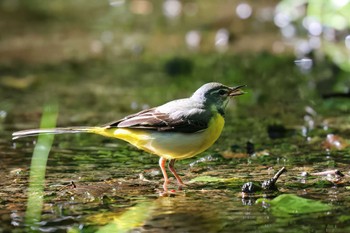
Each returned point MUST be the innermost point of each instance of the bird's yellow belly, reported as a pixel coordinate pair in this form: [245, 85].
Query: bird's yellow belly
[171, 145]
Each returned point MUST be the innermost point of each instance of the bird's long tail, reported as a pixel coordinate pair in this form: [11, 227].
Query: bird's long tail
[35, 132]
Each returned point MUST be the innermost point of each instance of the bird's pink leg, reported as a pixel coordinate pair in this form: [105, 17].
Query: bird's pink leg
[162, 162]
[172, 169]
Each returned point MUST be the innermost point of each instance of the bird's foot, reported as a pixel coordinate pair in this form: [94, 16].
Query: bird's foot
[168, 193]
[181, 186]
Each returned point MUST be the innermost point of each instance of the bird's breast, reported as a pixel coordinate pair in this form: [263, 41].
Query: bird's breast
[213, 132]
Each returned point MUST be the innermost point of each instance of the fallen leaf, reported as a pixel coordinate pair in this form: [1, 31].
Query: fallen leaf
[232, 155]
[290, 204]
[18, 83]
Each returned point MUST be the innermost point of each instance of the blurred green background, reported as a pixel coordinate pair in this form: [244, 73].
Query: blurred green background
[126, 55]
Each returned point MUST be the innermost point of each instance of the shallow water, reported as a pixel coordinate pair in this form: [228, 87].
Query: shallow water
[286, 119]
[114, 183]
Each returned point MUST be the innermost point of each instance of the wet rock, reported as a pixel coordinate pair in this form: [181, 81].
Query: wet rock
[17, 172]
[276, 131]
[251, 187]
[267, 185]
[250, 148]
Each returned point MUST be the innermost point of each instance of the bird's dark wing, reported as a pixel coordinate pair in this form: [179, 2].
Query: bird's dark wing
[153, 120]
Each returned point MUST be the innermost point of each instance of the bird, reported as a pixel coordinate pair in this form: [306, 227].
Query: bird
[176, 130]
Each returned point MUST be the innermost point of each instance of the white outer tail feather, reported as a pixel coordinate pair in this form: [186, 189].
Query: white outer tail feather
[35, 132]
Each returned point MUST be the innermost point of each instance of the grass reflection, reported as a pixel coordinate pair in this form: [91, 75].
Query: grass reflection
[38, 167]
[134, 217]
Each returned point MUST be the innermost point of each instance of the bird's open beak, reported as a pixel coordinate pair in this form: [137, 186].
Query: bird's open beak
[236, 91]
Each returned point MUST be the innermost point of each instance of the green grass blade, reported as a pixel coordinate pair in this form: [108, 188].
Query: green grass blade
[38, 167]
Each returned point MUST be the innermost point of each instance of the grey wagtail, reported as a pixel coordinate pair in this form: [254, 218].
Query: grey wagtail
[179, 129]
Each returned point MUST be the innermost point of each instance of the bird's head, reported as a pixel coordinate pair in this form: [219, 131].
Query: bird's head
[216, 95]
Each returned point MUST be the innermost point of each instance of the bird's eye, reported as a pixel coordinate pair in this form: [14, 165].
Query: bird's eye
[222, 92]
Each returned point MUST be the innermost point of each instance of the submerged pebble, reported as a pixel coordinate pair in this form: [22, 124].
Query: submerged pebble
[334, 142]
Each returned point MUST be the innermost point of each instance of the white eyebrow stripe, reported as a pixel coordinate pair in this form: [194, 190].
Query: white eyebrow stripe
[217, 91]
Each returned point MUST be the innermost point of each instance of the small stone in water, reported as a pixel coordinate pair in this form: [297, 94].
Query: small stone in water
[334, 142]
